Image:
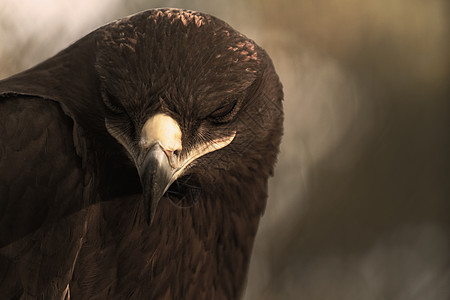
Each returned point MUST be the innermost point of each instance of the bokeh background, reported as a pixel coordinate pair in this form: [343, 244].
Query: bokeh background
[359, 207]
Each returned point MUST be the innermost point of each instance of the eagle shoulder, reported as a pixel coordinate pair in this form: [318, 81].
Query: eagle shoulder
[42, 187]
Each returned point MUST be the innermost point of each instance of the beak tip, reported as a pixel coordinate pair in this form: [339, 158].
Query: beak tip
[150, 216]
[150, 205]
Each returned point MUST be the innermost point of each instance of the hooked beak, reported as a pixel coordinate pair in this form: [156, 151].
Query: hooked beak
[156, 176]
[161, 160]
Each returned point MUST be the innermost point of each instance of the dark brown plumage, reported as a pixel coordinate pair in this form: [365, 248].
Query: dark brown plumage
[79, 173]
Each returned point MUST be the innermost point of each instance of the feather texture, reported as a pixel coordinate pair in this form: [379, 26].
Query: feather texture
[71, 211]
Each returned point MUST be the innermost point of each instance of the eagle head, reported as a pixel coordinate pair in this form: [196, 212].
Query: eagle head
[187, 96]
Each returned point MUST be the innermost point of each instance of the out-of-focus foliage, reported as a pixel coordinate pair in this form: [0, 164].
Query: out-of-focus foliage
[359, 205]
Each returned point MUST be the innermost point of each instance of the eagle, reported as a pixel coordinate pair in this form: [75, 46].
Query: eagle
[134, 164]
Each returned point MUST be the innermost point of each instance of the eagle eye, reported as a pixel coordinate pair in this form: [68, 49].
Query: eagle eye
[224, 113]
[111, 102]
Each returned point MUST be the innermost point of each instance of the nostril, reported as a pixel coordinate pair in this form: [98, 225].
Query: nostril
[172, 154]
[168, 153]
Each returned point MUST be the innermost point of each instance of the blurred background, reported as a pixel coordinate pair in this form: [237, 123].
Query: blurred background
[359, 207]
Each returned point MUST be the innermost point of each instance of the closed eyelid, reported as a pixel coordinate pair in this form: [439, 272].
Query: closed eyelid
[112, 102]
[230, 110]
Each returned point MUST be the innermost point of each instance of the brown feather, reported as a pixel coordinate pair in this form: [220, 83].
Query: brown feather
[71, 215]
